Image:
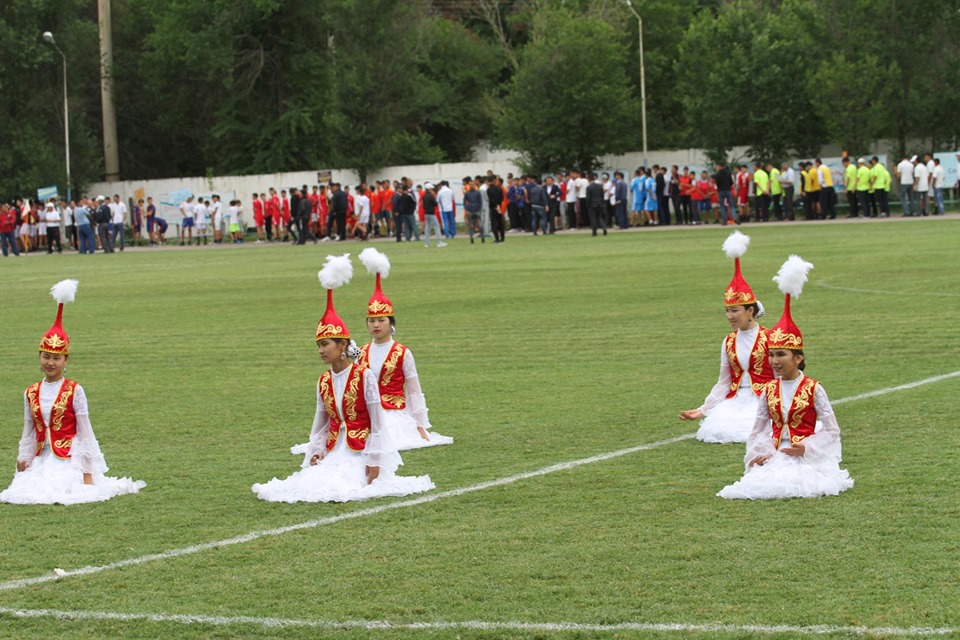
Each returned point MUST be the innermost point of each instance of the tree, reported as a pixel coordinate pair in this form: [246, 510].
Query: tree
[569, 102]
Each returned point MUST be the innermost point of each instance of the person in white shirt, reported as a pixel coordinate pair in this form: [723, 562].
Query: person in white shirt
[119, 212]
[186, 211]
[362, 204]
[52, 218]
[582, 183]
[905, 171]
[921, 187]
[216, 213]
[200, 215]
[610, 199]
[937, 177]
[787, 181]
[445, 202]
[571, 200]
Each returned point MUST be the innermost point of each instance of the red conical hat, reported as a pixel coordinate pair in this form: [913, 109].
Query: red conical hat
[377, 263]
[791, 278]
[56, 340]
[738, 292]
[336, 272]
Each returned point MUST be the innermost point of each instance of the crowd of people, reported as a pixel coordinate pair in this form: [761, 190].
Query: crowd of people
[491, 206]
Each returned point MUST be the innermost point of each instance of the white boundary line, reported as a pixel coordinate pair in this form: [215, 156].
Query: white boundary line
[372, 625]
[824, 284]
[425, 499]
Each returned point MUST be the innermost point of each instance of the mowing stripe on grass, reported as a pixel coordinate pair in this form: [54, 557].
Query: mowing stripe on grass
[424, 499]
[823, 284]
[372, 625]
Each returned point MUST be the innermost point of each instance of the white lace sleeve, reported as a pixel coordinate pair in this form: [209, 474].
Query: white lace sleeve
[415, 400]
[318, 431]
[719, 392]
[85, 450]
[825, 443]
[760, 440]
[378, 448]
[28, 440]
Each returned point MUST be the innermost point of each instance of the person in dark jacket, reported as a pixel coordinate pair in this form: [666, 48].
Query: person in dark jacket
[338, 211]
[406, 214]
[103, 217]
[303, 211]
[595, 204]
[495, 200]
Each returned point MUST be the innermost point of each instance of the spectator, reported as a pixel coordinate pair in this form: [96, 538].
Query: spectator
[724, 181]
[637, 186]
[937, 178]
[552, 191]
[621, 196]
[827, 192]
[495, 198]
[70, 224]
[787, 177]
[864, 181]
[432, 218]
[8, 225]
[103, 217]
[850, 186]
[136, 222]
[594, 203]
[743, 192]
[445, 202]
[537, 198]
[581, 184]
[52, 218]
[85, 233]
[761, 179]
[338, 214]
[118, 213]
[904, 171]
[921, 186]
[186, 228]
[776, 190]
[472, 203]
[881, 182]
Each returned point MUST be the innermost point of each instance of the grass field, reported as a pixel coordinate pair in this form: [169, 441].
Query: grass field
[200, 368]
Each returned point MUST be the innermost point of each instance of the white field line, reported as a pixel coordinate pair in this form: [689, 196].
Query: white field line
[424, 499]
[824, 284]
[375, 625]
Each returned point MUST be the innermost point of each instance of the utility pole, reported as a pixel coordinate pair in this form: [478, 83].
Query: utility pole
[643, 84]
[111, 154]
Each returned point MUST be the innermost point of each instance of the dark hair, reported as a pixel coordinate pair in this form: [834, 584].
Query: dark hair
[393, 321]
[803, 364]
[755, 307]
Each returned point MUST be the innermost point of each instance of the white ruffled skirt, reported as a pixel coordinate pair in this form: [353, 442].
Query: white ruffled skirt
[783, 476]
[731, 420]
[341, 477]
[53, 480]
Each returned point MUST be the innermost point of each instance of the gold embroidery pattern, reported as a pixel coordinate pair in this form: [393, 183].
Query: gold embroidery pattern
[326, 394]
[33, 399]
[358, 434]
[350, 393]
[759, 354]
[390, 364]
[364, 358]
[331, 330]
[60, 406]
[396, 400]
[53, 343]
[735, 371]
[63, 443]
[785, 340]
[801, 400]
[732, 297]
[378, 308]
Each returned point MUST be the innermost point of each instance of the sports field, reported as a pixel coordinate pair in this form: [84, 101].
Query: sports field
[539, 356]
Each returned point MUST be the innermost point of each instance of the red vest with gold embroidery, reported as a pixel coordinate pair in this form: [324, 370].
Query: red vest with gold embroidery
[63, 421]
[355, 413]
[391, 381]
[758, 366]
[801, 419]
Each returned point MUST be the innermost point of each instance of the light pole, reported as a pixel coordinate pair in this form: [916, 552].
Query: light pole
[66, 108]
[643, 84]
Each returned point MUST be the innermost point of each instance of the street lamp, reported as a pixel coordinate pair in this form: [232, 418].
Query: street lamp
[66, 108]
[643, 84]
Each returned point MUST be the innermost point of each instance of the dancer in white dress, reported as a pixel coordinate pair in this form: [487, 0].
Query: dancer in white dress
[794, 449]
[349, 455]
[59, 461]
[729, 410]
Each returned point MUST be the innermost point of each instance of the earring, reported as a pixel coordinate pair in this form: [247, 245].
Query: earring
[393, 329]
[343, 356]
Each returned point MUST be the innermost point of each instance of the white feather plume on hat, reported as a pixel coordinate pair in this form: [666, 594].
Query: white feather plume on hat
[64, 291]
[375, 262]
[336, 271]
[793, 275]
[736, 244]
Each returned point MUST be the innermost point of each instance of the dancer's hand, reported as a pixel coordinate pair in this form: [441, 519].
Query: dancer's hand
[372, 473]
[88, 478]
[22, 465]
[692, 414]
[423, 433]
[759, 460]
[794, 450]
[317, 457]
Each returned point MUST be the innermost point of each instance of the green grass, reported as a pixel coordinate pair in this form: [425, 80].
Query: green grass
[200, 370]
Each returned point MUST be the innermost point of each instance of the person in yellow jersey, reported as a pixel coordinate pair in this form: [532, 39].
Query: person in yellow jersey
[813, 192]
[762, 182]
[864, 183]
[827, 192]
[881, 186]
[776, 190]
[850, 186]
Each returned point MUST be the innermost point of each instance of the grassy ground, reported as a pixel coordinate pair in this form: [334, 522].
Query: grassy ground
[200, 368]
